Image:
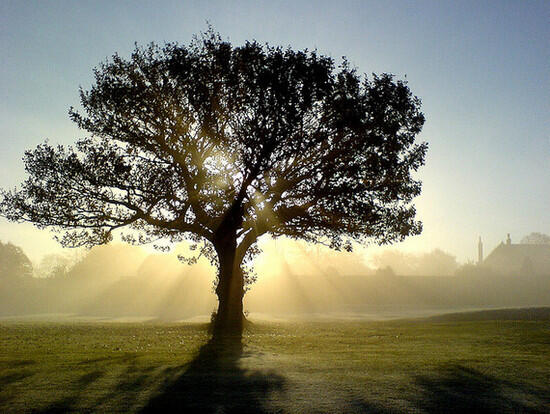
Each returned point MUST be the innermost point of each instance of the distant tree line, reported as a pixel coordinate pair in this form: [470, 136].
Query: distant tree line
[118, 281]
[536, 238]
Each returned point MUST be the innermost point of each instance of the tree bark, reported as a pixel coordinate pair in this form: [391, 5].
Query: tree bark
[228, 322]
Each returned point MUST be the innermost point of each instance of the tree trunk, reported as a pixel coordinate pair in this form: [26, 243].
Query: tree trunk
[228, 322]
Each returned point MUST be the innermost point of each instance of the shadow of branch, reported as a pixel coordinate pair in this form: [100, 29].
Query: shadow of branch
[458, 389]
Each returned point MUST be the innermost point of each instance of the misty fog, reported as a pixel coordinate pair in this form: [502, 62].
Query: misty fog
[294, 280]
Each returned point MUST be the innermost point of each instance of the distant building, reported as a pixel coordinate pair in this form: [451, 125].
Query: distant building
[509, 258]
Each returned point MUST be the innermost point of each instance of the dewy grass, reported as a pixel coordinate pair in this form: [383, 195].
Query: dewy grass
[407, 366]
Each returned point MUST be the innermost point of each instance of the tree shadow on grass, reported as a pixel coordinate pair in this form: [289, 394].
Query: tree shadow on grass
[458, 389]
[16, 370]
[215, 383]
[70, 403]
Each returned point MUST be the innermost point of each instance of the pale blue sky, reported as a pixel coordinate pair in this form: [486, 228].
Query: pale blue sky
[481, 68]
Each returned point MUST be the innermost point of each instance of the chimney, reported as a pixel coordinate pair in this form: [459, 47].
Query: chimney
[479, 251]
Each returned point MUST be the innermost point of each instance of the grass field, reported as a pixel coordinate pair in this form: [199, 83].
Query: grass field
[421, 366]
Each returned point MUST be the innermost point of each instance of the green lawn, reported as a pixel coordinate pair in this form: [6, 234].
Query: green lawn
[309, 367]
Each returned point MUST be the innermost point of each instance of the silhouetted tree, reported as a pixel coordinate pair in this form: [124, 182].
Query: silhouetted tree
[222, 144]
[536, 238]
[14, 263]
[54, 266]
[434, 263]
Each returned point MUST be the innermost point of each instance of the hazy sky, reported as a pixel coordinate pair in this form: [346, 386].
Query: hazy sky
[481, 68]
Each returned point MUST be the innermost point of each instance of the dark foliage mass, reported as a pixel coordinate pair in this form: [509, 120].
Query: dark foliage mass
[536, 238]
[222, 144]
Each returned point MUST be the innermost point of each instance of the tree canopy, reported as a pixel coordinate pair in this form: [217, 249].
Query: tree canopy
[222, 144]
[536, 238]
[14, 263]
